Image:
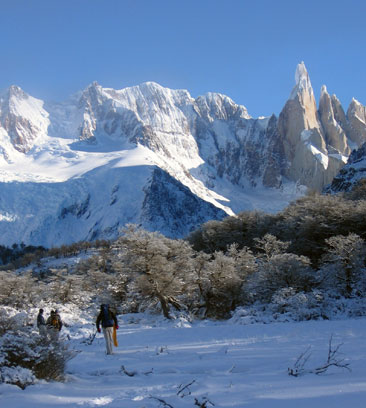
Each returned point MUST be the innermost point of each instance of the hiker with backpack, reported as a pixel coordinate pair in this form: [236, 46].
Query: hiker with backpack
[54, 325]
[109, 321]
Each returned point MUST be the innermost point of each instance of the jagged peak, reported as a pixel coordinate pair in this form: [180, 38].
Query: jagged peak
[301, 72]
[15, 91]
[151, 87]
[354, 106]
[147, 89]
[302, 81]
[93, 93]
[323, 91]
[214, 98]
[335, 99]
[355, 102]
[94, 86]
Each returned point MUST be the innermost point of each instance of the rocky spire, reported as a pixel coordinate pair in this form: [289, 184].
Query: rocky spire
[330, 111]
[356, 115]
[303, 84]
[303, 137]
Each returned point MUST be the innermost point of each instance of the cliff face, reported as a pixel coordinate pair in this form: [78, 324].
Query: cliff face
[315, 142]
[23, 121]
[356, 114]
[334, 123]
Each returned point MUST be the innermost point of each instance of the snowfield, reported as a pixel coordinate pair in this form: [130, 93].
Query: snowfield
[178, 364]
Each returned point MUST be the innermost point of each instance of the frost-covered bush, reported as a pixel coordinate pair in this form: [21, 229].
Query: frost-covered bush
[20, 376]
[18, 290]
[25, 356]
[281, 271]
[11, 319]
[289, 305]
[298, 305]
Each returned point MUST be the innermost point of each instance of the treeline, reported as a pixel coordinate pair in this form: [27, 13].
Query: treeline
[307, 255]
[305, 224]
[19, 256]
[11, 254]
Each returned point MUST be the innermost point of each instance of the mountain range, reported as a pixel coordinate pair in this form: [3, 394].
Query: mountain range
[84, 168]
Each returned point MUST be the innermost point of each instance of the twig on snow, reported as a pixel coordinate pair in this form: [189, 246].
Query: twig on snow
[129, 373]
[181, 389]
[164, 403]
[299, 365]
[203, 403]
[332, 361]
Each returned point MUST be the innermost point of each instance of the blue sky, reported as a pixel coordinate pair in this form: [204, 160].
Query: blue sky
[247, 50]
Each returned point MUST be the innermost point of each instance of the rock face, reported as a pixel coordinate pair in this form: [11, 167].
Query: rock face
[23, 120]
[170, 206]
[356, 114]
[315, 142]
[83, 168]
[334, 122]
[351, 173]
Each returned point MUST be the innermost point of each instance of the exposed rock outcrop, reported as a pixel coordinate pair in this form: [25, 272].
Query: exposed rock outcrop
[23, 119]
[334, 122]
[351, 173]
[356, 114]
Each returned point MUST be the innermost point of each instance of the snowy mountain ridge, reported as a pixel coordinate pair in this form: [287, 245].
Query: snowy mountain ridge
[106, 150]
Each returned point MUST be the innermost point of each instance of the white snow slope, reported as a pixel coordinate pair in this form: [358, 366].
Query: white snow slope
[227, 364]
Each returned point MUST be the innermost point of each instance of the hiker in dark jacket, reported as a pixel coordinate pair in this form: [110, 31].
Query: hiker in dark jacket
[41, 324]
[108, 319]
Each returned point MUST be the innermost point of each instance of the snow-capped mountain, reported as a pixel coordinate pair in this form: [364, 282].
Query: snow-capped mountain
[83, 168]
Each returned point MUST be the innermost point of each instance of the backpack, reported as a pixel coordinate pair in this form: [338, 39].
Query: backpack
[107, 319]
[53, 321]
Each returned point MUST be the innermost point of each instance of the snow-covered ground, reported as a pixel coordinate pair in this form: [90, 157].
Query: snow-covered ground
[227, 364]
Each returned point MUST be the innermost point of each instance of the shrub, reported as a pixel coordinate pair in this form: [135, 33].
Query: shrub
[26, 356]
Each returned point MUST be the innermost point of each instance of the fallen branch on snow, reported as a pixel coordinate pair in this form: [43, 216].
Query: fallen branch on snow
[164, 403]
[203, 403]
[333, 360]
[182, 388]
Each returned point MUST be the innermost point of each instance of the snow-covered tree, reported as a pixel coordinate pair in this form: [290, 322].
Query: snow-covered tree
[269, 246]
[281, 271]
[346, 258]
[224, 285]
[155, 264]
[20, 289]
